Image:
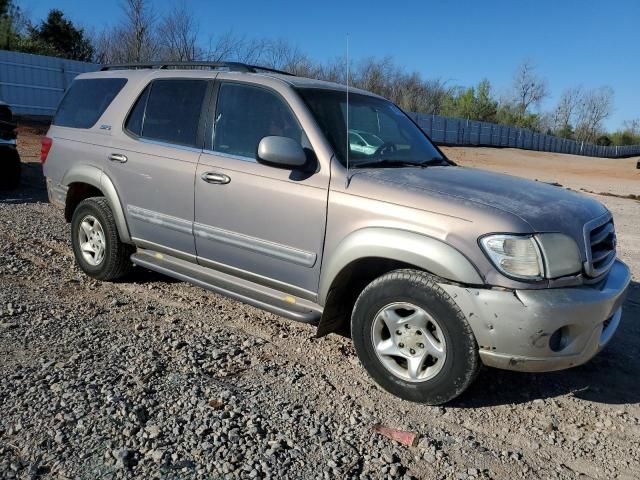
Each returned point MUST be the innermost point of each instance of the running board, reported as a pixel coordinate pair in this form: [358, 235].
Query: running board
[245, 291]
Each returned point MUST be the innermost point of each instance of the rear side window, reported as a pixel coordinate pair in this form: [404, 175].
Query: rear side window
[134, 122]
[246, 114]
[86, 101]
[169, 111]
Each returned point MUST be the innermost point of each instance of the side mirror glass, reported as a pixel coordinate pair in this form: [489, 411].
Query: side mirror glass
[282, 152]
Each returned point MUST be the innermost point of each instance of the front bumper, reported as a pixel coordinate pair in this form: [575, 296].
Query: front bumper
[514, 329]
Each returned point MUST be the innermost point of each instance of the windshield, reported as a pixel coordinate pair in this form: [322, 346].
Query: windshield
[378, 130]
[371, 139]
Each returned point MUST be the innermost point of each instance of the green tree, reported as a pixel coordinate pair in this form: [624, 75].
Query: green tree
[625, 137]
[474, 103]
[565, 132]
[511, 114]
[9, 25]
[485, 106]
[61, 37]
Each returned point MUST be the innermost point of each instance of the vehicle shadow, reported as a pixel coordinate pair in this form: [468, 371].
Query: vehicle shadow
[611, 377]
[32, 188]
[143, 276]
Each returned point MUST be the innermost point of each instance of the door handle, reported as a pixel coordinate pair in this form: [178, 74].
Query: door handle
[118, 157]
[216, 178]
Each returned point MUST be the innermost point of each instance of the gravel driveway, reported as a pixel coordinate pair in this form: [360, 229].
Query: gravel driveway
[152, 378]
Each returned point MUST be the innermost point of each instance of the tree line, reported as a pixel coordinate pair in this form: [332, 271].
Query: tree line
[141, 35]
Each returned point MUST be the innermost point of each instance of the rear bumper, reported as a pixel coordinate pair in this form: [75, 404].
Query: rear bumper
[57, 193]
[515, 329]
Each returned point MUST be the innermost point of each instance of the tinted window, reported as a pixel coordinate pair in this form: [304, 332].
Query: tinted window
[172, 111]
[246, 114]
[134, 122]
[390, 134]
[86, 101]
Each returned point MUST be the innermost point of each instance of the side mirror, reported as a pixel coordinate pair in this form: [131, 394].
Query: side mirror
[281, 152]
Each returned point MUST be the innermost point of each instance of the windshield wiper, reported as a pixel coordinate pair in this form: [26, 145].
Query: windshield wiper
[386, 163]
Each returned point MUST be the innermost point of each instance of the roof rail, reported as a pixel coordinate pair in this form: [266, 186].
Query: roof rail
[231, 66]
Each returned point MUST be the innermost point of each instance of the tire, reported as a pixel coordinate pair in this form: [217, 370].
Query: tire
[431, 355]
[110, 259]
[10, 168]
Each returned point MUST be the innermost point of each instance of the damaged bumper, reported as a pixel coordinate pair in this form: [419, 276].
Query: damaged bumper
[544, 330]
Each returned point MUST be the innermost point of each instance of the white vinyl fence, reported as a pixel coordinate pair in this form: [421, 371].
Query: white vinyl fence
[34, 84]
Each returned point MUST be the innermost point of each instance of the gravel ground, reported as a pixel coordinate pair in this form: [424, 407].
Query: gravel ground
[151, 378]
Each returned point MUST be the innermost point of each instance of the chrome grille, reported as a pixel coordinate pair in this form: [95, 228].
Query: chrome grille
[600, 237]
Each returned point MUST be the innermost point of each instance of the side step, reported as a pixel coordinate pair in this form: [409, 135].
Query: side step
[245, 291]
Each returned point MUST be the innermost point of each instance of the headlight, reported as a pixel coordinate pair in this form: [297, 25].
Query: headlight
[534, 257]
[560, 254]
[515, 256]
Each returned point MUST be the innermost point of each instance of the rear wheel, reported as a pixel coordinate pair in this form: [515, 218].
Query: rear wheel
[96, 244]
[413, 339]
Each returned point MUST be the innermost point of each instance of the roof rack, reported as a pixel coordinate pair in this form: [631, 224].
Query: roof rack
[230, 66]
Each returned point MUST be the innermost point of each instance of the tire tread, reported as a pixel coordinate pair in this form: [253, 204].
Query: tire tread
[425, 280]
[118, 263]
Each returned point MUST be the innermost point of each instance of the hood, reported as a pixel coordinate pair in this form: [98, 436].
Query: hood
[544, 207]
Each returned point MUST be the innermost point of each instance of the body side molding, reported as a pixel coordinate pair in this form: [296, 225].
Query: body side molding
[258, 245]
[425, 252]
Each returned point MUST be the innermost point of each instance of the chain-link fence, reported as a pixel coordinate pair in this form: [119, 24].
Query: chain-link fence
[34, 84]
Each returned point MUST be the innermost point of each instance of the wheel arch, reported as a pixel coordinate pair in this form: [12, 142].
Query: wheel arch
[84, 181]
[410, 248]
[371, 252]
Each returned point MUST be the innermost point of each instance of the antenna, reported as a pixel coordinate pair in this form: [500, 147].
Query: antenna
[347, 136]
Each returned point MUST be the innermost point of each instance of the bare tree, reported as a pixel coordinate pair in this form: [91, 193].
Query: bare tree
[134, 40]
[436, 93]
[103, 47]
[221, 47]
[564, 115]
[632, 126]
[596, 106]
[178, 33]
[282, 55]
[238, 48]
[529, 89]
[141, 41]
[376, 75]
[334, 70]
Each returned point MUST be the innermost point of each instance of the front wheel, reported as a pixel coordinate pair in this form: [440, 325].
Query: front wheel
[96, 244]
[412, 338]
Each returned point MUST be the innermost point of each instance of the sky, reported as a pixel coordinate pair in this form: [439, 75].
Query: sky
[588, 43]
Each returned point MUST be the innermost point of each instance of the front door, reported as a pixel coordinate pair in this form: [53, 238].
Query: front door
[154, 161]
[253, 220]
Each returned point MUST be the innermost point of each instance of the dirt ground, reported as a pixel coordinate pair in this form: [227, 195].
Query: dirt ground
[611, 181]
[153, 378]
[615, 176]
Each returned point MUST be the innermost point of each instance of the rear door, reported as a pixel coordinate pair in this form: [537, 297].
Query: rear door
[153, 163]
[258, 221]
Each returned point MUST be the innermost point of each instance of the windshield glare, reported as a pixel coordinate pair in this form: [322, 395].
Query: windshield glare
[378, 130]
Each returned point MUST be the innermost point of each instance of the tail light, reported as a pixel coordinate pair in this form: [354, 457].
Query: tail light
[44, 150]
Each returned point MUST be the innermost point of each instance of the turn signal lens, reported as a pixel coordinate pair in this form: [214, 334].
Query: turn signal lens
[514, 256]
